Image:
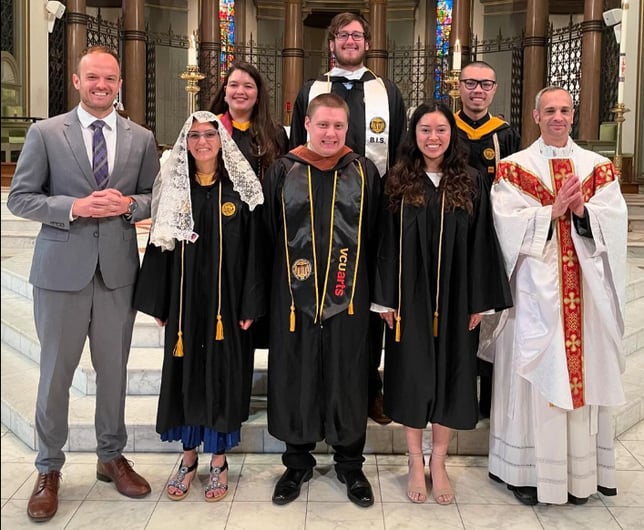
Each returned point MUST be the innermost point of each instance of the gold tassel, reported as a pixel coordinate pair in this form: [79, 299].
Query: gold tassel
[291, 327]
[219, 335]
[351, 308]
[435, 323]
[398, 319]
[178, 349]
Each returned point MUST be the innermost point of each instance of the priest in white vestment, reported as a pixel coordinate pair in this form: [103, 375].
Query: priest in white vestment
[562, 223]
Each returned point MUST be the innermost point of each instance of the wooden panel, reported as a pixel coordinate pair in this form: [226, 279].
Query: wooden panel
[8, 169]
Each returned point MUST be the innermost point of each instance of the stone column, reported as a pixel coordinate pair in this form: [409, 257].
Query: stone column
[591, 58]
[534, 65]
[430, 42]
[134, 60]
[461, 14]
[209, 52]
[76, 42]
[292, 56]
[240, 22]
[377, 54]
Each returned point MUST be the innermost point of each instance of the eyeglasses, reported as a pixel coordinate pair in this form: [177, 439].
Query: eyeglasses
[344, 35]
[208, 135]
[486, 84]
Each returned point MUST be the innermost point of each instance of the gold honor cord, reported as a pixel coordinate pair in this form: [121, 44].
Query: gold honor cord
[400, 251]
[328, 260]
[291, 326]
[438, 275]
[355, 270]
[178, 348]
[219, 333]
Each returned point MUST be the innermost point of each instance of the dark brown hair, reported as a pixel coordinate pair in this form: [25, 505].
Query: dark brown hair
[344, 19]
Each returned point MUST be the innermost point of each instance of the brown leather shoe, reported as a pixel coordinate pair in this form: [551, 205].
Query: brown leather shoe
[376, 410]
[43, 502]
[127, 481]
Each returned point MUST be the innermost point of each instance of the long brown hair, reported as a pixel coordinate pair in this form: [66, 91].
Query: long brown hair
[407, 178]
[263, 130]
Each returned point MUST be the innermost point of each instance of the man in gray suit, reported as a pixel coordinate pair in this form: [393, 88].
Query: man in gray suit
[85, 265]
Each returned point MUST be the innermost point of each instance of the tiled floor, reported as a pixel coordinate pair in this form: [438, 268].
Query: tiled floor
[86, 503]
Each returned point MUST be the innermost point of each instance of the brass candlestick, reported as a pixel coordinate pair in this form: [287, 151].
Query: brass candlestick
[192, 76]
[619, 110]
[453, 79]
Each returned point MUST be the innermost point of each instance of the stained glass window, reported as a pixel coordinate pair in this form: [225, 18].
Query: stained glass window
[227, 34]
[443, 29]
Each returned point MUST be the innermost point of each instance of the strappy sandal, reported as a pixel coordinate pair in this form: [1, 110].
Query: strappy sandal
[181, 489]
[416, 492]
[215, 484]
[442, 494]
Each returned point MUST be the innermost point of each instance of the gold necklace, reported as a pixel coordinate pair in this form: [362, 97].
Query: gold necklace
[205, 179]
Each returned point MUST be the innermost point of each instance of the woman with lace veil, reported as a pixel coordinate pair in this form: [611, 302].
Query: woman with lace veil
[201, 278]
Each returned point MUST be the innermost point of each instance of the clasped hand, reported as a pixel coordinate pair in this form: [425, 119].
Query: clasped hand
[103, 203]
[570, 197]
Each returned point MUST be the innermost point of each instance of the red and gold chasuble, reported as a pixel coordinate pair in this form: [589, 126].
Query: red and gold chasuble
[569, 269]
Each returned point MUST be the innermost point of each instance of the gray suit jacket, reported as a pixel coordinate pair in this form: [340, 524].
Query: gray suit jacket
[52, 171]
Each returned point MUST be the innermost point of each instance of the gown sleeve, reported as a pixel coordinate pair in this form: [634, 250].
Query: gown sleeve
[489, 287]
[152, 291]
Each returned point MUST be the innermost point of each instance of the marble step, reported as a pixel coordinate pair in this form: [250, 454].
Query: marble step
[636, 222]
[146, 355]
[20, 381]
[144, 368]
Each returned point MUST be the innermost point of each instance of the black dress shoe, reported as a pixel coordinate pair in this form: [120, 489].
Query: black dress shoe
[525, 494]
[577, 500]
[358, 487]
[609, 492]
[289, 485]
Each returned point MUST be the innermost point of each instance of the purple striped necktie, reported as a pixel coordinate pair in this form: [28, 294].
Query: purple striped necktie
[99, 153]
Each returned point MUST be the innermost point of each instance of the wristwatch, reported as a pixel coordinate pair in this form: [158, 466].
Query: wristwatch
[130, 209]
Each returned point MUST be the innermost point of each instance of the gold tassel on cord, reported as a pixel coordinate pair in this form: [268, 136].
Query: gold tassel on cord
[435, 323]
[219, 335]
[351, 308]
[291, 326]
[398, 319]
[178, 349]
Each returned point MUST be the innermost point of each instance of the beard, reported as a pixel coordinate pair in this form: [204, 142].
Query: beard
[342, 60]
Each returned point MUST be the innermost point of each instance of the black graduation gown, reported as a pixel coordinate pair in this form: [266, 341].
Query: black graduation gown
[429, 379]
[243, 141]
[479, 143]
[317, 375]
[242, 138]
[211, 384]
[355, 100]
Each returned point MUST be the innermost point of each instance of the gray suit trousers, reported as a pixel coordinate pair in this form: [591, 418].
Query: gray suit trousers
[63, 320]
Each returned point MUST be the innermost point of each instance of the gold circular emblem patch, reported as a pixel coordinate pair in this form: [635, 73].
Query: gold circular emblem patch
[302, 269]
[377, 125]
[488, 153]
[228, 209]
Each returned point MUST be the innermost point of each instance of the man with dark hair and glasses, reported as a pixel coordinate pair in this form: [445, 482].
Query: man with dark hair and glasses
[377, 123]
[489, 139]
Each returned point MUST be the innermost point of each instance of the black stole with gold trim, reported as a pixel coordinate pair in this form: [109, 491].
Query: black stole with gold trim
[335, 269]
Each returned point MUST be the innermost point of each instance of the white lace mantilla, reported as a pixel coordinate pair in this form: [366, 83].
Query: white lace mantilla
[171, 205]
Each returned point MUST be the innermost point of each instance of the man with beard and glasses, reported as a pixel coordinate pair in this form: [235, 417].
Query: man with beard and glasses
[377, 123]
